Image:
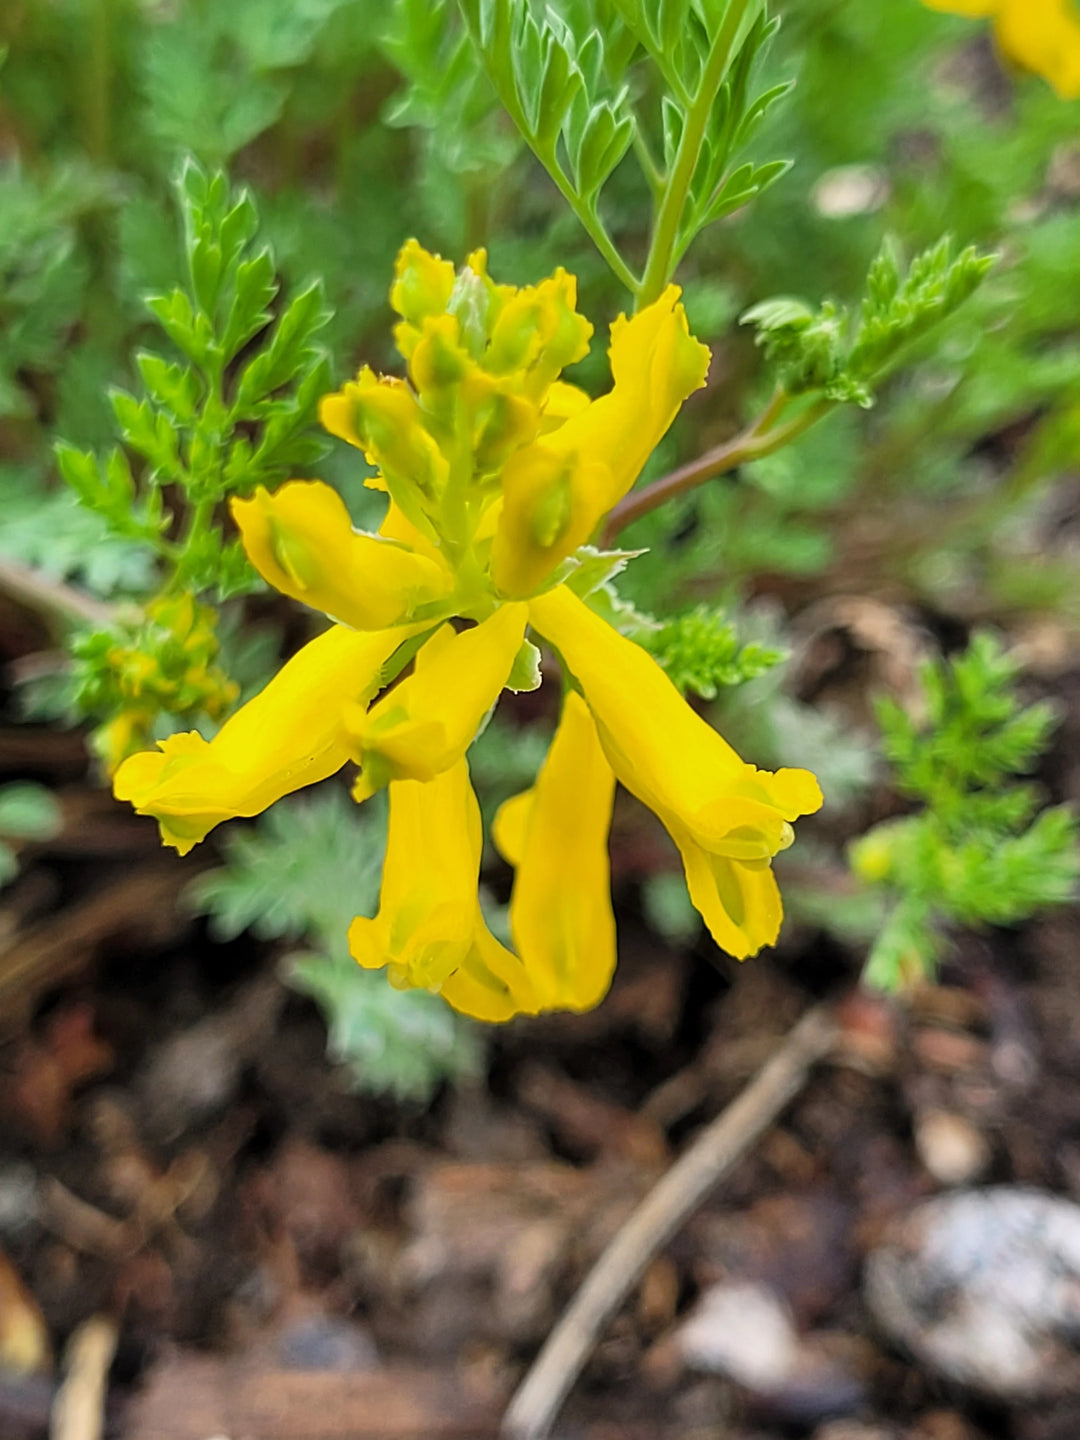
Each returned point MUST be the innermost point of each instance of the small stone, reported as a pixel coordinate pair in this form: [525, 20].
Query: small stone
[950, 1147]
[983, 1287]
[744, 1332]
[850, 190]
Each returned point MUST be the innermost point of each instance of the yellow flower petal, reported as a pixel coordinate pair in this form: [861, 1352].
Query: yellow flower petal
[537, 333]
[288, 736]
[563, 401]
[738, 900]
[491, 983]
[556, 836]
[1043, 36]
[422, 284]
[511, 825]
[427, 903]
[656, 364]
[380, 415]
[552, 503]
[648, 730]
[301, 540]
[424, 725]
[727, 817]
[429, 931]
[557, 490]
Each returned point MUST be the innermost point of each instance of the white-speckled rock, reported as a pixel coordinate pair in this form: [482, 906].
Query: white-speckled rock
[983, 1286]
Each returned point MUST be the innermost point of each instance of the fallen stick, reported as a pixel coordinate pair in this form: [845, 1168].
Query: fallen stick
[659, 1216]
[78, 1411]
[55, 600]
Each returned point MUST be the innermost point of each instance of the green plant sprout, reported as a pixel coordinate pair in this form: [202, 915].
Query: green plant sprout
[978, 850]
[236, 410]
[563, 80]
[228, 416]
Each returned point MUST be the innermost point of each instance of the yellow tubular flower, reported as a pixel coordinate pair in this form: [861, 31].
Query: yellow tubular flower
[431, 935]
[422, 286]
[557, 490]
[301, 541]
[538, 332]
[1040, 35]
[728, 818]
[556, 836]
[381, 416]
[563, 402]
[288, 736]
[425, 724]
[496, 471]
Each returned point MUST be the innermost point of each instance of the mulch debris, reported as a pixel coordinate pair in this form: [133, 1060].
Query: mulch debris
[284, 1259]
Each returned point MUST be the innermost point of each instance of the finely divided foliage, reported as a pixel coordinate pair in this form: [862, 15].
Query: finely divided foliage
[978, 850]
[572, 83]
[226, 417]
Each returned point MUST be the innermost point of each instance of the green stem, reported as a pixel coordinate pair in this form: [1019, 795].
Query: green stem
[590, 222]
[99, 81]
[587, 217]
[761, 438]
[660, 262]
[198, 522]
[654, 175]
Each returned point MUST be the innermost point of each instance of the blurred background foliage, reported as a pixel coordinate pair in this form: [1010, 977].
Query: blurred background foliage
[356, 124]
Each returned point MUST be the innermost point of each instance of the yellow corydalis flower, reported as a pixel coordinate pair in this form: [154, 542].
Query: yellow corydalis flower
[556, 491]
[301, 541]
[429, 932]
[727, 818]
[425, 724]
[486, 450]
[290, 735]
[555, 836]
[497, 472]
[1042, 36]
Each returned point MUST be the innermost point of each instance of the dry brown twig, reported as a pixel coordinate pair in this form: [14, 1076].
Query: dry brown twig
[56, 601]
[78, 1411]
[660, 1215]
[762, 437]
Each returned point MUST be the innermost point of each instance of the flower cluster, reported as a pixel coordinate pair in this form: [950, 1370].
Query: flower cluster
[1040, 35]
[164, 661]
[497, 474]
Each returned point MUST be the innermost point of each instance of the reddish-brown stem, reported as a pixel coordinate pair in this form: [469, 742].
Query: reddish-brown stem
[761, 438]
